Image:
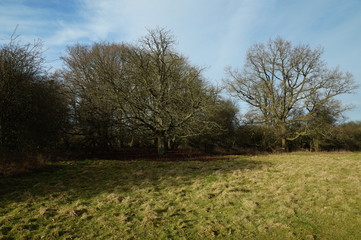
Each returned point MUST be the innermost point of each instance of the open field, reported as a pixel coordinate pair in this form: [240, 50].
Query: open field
[286, 196]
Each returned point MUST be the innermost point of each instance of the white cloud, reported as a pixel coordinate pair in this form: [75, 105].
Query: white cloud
[240, 29]
[212, 33]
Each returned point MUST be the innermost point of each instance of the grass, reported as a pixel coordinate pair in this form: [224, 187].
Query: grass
[286, 196]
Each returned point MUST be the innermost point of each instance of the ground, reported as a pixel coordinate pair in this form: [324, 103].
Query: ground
[279, 196]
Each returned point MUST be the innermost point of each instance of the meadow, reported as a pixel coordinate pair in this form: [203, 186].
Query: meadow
[278, 196]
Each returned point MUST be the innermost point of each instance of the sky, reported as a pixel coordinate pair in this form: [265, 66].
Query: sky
[213, 34]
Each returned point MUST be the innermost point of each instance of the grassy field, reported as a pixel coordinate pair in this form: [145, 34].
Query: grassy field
[286, 196]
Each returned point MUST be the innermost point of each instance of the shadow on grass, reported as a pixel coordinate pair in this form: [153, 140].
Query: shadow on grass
[80, 180]
[150, 154]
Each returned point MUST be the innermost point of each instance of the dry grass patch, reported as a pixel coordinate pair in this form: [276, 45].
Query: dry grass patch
[286, 196]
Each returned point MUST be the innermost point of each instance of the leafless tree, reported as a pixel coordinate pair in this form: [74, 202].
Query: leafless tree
[97, 116]
[167, 94]
[287, 85]
[32, 109]
[149, 87]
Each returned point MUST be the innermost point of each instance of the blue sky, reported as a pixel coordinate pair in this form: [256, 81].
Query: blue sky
[212, 33]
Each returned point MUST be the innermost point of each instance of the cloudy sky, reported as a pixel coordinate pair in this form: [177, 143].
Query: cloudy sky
[212, 33]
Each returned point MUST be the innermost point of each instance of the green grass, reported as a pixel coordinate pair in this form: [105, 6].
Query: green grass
[286, 196]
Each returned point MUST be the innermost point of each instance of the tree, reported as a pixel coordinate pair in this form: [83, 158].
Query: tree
[32, 106]
[320, 125]
[346, 136]
[167, 95]
[148, 88]
[255, 137]
[96, 116]
[223, 123]
[287, 85]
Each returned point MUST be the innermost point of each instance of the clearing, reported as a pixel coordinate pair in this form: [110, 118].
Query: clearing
[281, 196]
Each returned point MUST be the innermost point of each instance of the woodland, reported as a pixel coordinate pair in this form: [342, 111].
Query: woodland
[148, 99]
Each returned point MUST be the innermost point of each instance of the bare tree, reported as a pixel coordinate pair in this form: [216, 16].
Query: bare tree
[88, 70]
[32, 109]
[167, 94]
[287, 85]
[148, 87]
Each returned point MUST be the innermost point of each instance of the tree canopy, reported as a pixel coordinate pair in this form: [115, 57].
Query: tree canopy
[147, 94]
[148, 86]
[287, 85]
[32, 106]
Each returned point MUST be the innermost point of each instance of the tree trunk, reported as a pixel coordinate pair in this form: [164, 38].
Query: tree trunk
[284, 144]
[160, 144]
[171, 143]
[131, 143]
[283, 137]
[316, 144]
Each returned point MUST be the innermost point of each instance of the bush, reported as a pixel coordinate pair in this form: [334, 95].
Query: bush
[32, 107]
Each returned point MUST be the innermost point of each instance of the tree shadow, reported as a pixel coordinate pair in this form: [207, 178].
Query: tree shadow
[81, 180]
[129, 154]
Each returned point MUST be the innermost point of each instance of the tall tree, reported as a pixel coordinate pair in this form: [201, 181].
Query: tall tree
[88, 70]
[32, 106]
[167, 94]
[287, 85]
[147, 87]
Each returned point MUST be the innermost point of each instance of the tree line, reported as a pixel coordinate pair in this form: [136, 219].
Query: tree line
[147, 94]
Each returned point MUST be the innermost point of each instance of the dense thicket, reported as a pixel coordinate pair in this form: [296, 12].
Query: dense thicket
[32, 106]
